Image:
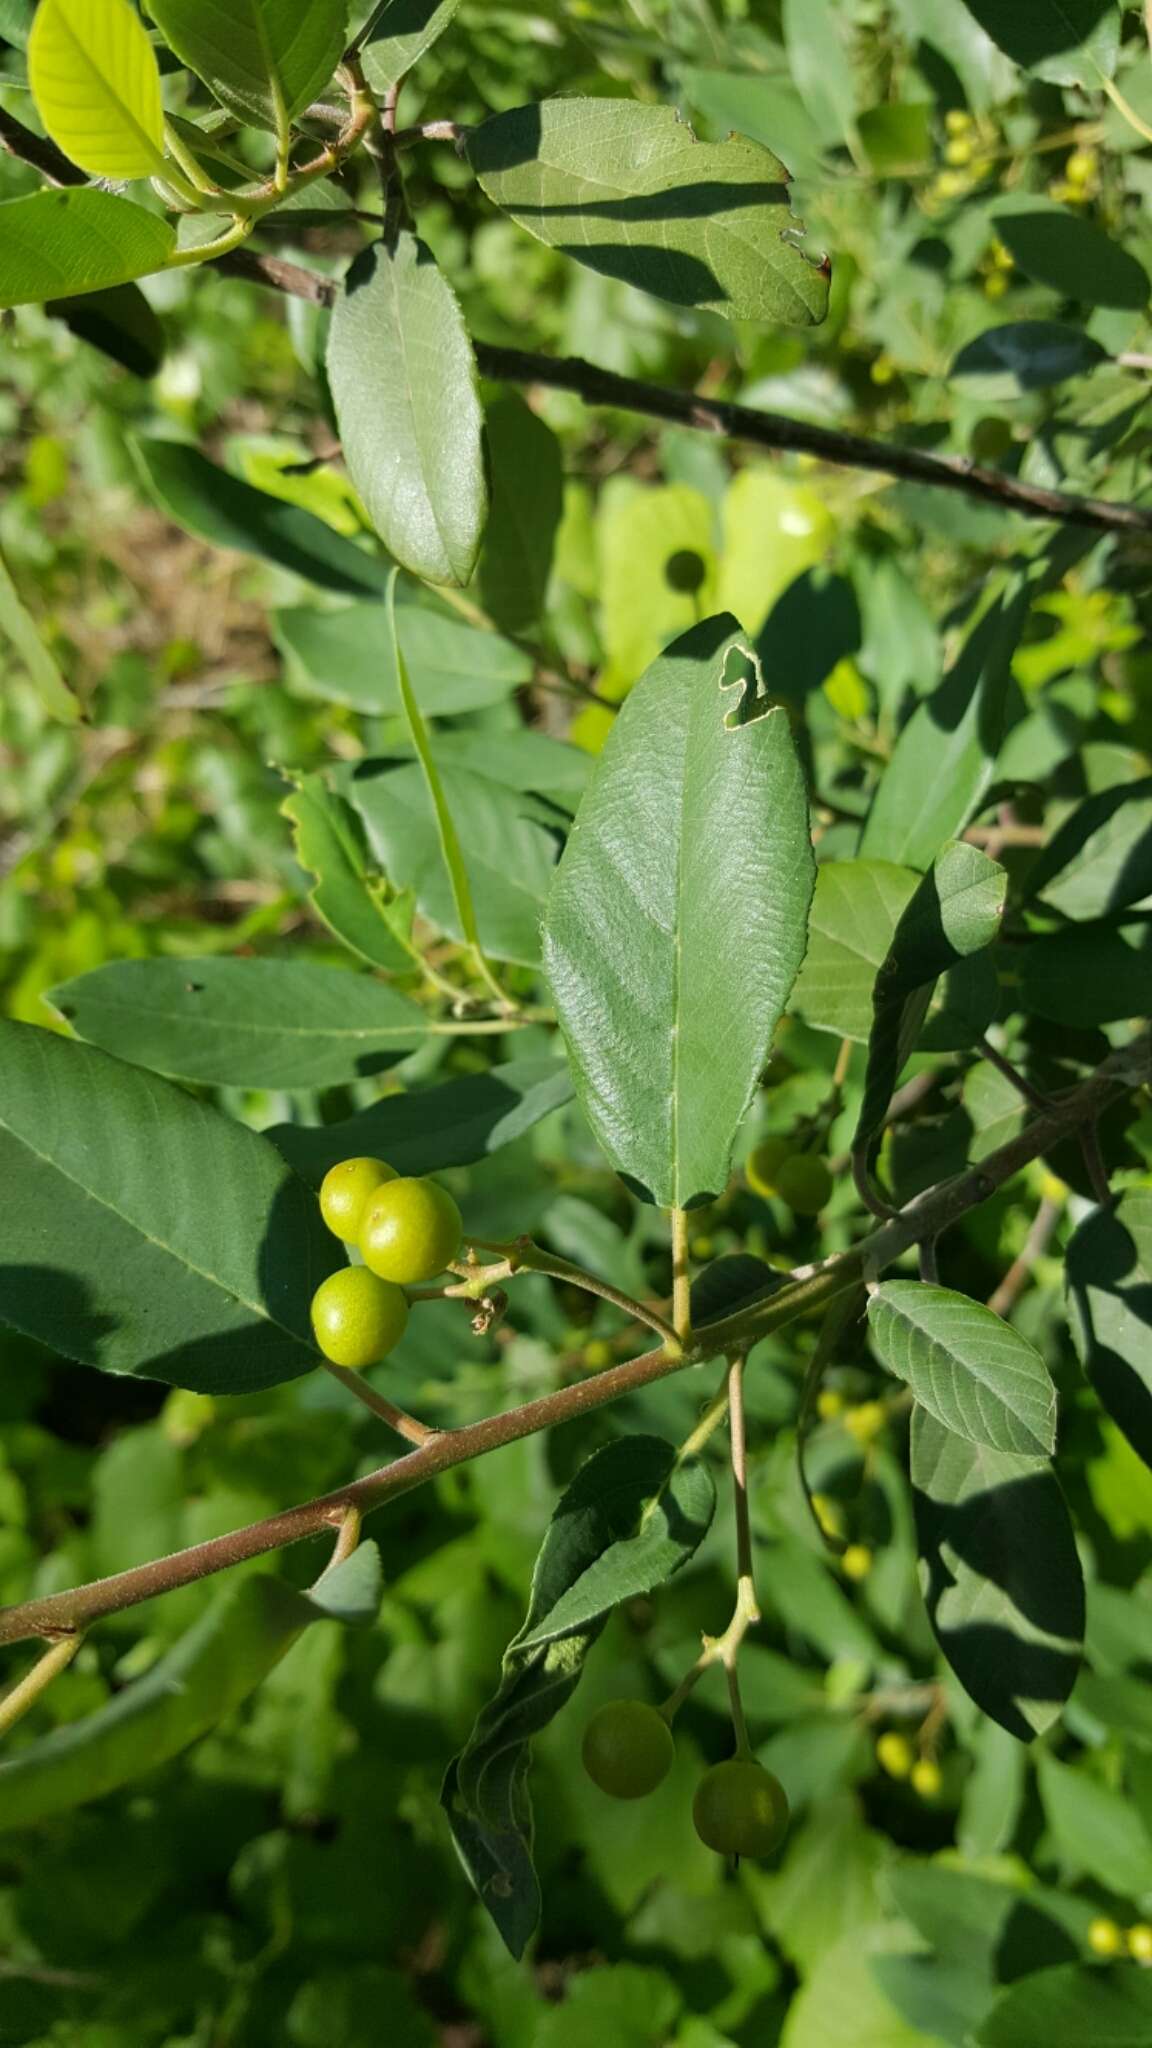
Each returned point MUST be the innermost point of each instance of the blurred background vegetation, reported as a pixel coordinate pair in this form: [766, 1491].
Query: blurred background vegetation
[291, 1879]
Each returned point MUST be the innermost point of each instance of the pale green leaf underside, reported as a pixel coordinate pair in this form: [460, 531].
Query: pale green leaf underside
[404, 385]
[971, 1370]
[264, 59]
[58, 245]
[402, 31]
[854, 915]
[152, 1234]
[677, 920]
[96, 84]
[243, 1023]
[628, 190]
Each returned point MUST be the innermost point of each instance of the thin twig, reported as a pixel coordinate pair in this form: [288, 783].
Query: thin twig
[1094, 1163]
[407, 1426]
[1035, 1245]
[1020, 1082]
[927, 1216]
[23, 1696]
[347, 1537]
[681, 1276]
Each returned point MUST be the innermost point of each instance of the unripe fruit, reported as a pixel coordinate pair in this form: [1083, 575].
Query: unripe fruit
[829, 1405]
[411, 1231]
[346, 1191]
[866, 1421]
[598, 1354]
[358, 1318]
[1081, 167]
[959, 152]
[1105, 1938]
[764, 1163]
[958, 121]
[628, 1749]
[685, 571]
[829, 1514]
[895, 1754]
[740, 1809]
[1140, 1942]
[856, 1562]
[805, 1183]
[926, 1779]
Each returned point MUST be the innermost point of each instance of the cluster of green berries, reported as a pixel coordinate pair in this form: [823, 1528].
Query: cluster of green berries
[896, 1756]
[406, 1231]
[1107, 1939]
[1081, 180]
[779, 1167]
[739, 1808]
[968, 155]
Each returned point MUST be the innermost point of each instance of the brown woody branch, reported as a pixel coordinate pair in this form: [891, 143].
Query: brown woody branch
[924, 1219]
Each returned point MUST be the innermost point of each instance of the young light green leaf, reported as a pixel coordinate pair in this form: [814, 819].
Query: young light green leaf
[346, 656]
[628, 190]
[954, 913]
[223, 509]
[96, 84]
[632, 1516]
[397, 36]
[968, 1368]
[55, 245]
[1096, 1830]
[243, 1023]
[527, 473]
[1109, 1280]
[185, 1250]
[211, 1670]
[1070, 2006]
[348, 892]
[433, 1128]
[1001, 1574]
[508, 841]
[263, 59]
[1065, 42]
[699, 800]
[404, 385]
[19, 627]
[855, 912]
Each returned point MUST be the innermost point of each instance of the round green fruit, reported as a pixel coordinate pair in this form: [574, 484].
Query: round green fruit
[358, 1318]
[411, 1231]
[764, 1163]
[628, 1749]
[805, 1183]
[740, 1809]
[346, 1191]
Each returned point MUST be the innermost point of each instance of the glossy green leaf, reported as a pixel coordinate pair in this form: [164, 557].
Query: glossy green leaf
[403, 382]
[264, 59]
[19, 628]
[945, 758]
[54, 245]
[1025, 355]
[347, 656]
[1109, 1280]
[433, 1128]
[119, 322]
[527, 472]
[152, 1235]
[399, 33]
[1066, 42]
[632, 1517]
[1072, 2006]
[96, 85]
[508, 841]
[1096, 1830]
[699, 800]
[1054, 246]
[1100, 861]
[211, 1670]
[243, 1023]
[349, 893]
[1090, 974]
[627, 189]
[970, 1369]
[954, 913]
[1001, 1575]
[855, 912]
[221, 508]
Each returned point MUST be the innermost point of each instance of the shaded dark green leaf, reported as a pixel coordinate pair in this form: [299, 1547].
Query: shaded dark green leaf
[1074, 257]
[119, 322]
[1072, 2006]
[1026, 355]
[1067, 42]
[527, 473]
[1109, 1280]
[1095, 974]
[452, 1125]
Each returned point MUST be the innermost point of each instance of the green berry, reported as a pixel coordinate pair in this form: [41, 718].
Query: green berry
[1105, 1938]
[411, 1231]
[358, 1318]
[764, 1163]
[805, 1183]
[740, 1809]
[628, 1749]
[927, 1779]
[895, 1754]
[346, 1191]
